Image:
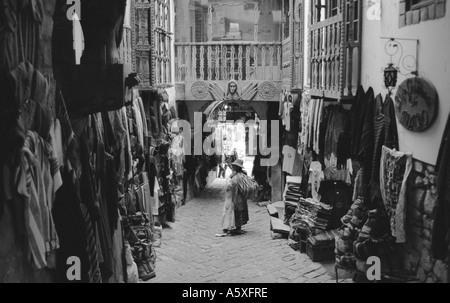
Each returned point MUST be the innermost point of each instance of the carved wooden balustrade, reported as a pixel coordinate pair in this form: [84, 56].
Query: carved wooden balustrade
[221, 61]
[335, 53]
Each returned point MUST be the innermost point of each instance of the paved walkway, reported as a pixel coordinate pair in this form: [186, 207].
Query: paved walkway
[190, 252]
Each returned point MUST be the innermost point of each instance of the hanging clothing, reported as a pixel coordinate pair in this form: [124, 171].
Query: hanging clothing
[139, 123]
[128, 155]
[357, 120]
[317, 128]
[385, 132]
[144, 124]
[316, 176]
[289, 159]
[71, 228]
[154, 201]
[337, 122]
[70, 145]
[37, 180]
[441, 229]
[394, 173]
[288, 106]
[366, 150]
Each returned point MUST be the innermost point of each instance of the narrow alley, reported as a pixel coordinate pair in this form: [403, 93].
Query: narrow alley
[190, 252]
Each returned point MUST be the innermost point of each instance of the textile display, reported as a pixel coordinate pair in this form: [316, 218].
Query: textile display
[394, 173]
[441, 229]
[316, 176]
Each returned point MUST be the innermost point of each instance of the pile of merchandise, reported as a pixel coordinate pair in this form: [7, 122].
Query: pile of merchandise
[315, 214]
[140, 237]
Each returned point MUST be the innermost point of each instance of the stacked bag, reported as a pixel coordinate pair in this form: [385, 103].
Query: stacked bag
[365, 233]
[140, 236]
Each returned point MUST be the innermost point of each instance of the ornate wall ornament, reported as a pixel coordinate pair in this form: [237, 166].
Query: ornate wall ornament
[233, 91]
[200, 90]
[416, 104]
[267, 90]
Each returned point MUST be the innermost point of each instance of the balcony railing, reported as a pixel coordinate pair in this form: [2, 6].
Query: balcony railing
[221, 61]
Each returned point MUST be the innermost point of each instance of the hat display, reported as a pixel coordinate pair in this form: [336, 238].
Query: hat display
[239, 163]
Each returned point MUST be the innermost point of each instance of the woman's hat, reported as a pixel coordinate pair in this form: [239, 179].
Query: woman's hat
[239, 163]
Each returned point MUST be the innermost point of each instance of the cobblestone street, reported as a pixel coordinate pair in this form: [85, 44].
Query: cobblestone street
[190, 252]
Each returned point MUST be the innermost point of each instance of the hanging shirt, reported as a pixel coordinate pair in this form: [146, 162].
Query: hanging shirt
[37, 179]
[138, 120]
[155, 204]
[289, 159]
[288, 106]
[316, 176]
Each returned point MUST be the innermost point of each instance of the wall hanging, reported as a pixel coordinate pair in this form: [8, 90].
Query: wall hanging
[416, 104]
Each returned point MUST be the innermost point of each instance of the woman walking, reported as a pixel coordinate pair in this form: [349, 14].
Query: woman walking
[235, 212]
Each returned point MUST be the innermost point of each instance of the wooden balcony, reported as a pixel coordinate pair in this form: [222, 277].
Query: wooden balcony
[220, 62]
[335, 58]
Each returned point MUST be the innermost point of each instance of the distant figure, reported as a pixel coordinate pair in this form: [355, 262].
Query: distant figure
[235, 211]
[222, 169]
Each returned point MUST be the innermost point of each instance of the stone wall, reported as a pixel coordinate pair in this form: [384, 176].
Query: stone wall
[421, 201]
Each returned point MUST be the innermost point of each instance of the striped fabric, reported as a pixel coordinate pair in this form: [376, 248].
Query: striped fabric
[381, 134]
[37, 181]
[94, 271]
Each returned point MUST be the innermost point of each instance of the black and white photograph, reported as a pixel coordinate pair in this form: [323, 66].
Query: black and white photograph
[224, 147]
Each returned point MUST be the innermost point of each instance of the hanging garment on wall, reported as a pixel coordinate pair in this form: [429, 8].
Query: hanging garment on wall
[357, 120]
[154, 201]
[316, 176]
[144, 122]
[100, 170]
[305, 121]
[21, 27]
[119, 133]
[128, 155]
[387, 108]
[288, 106]
[360, 188]
[394, 173]
[326, 114]
[441, 229]
[311, 112]
[317, 128]
[71, 228]
[69, 142]
[57, 142]
[337, 122]
[289, 159]
[332, 173]
[38, 180]
[94, 270]
[139, 124]
[366, 150]
[385, 132]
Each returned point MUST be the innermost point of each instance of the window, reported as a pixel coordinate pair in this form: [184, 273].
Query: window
[325, 9]
[152, 42]
[416, 11]
[163, 43]
[200, 21]
[286, 19]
